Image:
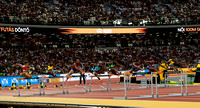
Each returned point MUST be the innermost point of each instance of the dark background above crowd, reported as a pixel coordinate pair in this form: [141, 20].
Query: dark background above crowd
[100, 12]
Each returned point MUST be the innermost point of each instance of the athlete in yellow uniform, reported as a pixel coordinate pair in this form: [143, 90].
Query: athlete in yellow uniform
[50, 68]
[163, 68]
[197, 76]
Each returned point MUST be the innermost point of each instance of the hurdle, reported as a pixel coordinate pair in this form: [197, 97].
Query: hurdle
[168, 85]
[108, 88]
[127, 83]
[143, 85]
[187, 85]
[41, 91]
[85, 88]
[44, 91]
[18, 87]
[152, 88]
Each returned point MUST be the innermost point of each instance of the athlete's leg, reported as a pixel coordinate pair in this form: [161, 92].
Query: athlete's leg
[69, 74]
[96, 74]
[84, 78]
[26, 75]
[50, 72]
[130, 71]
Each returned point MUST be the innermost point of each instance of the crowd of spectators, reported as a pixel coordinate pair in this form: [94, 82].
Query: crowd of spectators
[38, 49]
[100, 12]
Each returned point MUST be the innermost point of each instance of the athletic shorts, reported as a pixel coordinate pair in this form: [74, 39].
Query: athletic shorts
[74, 69]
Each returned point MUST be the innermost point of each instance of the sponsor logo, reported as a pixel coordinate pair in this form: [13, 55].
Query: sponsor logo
[14, 80]
[181, 29]
[188, 29]
[104, 30]
[33, 80]
[4, 81]
[24, 81]
[45, 80]
[54, 80]
[99, 30]
[15, 29]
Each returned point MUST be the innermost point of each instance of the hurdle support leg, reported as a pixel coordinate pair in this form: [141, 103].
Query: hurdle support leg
[125, 95]
[43, 87]
[186, 89]
[18, 88]
[152, 94]
[86, 90]
[129, 80]
[146, 81]
[63, 86]
[40, 86]
[156, 81]
[149, 80]
[108, 85]
[67, 87]
[182, 83]
[127, 84]
[90, 84]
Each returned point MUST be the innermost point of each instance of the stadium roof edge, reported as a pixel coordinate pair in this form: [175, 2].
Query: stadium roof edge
[57, 26]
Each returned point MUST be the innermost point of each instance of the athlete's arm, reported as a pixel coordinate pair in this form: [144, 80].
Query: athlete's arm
[173, 68]
[29, 68]
[18, 65]
[93, 64]
[137, 66]
[163, 66]
[58, 67]
[154, 69]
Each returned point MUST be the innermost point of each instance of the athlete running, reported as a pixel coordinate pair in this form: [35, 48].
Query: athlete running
[50, 68]
[25, 70]
[98, 69]
[76, 68]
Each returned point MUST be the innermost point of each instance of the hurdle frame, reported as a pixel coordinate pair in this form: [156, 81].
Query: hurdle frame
[143, 85]
[156, 87]
[129, 85]
[108, 88]
[19, 95]
[85, 88]
[186, 89]
[62, 92]
[181, 87]
[125, 90]
[104, 89]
